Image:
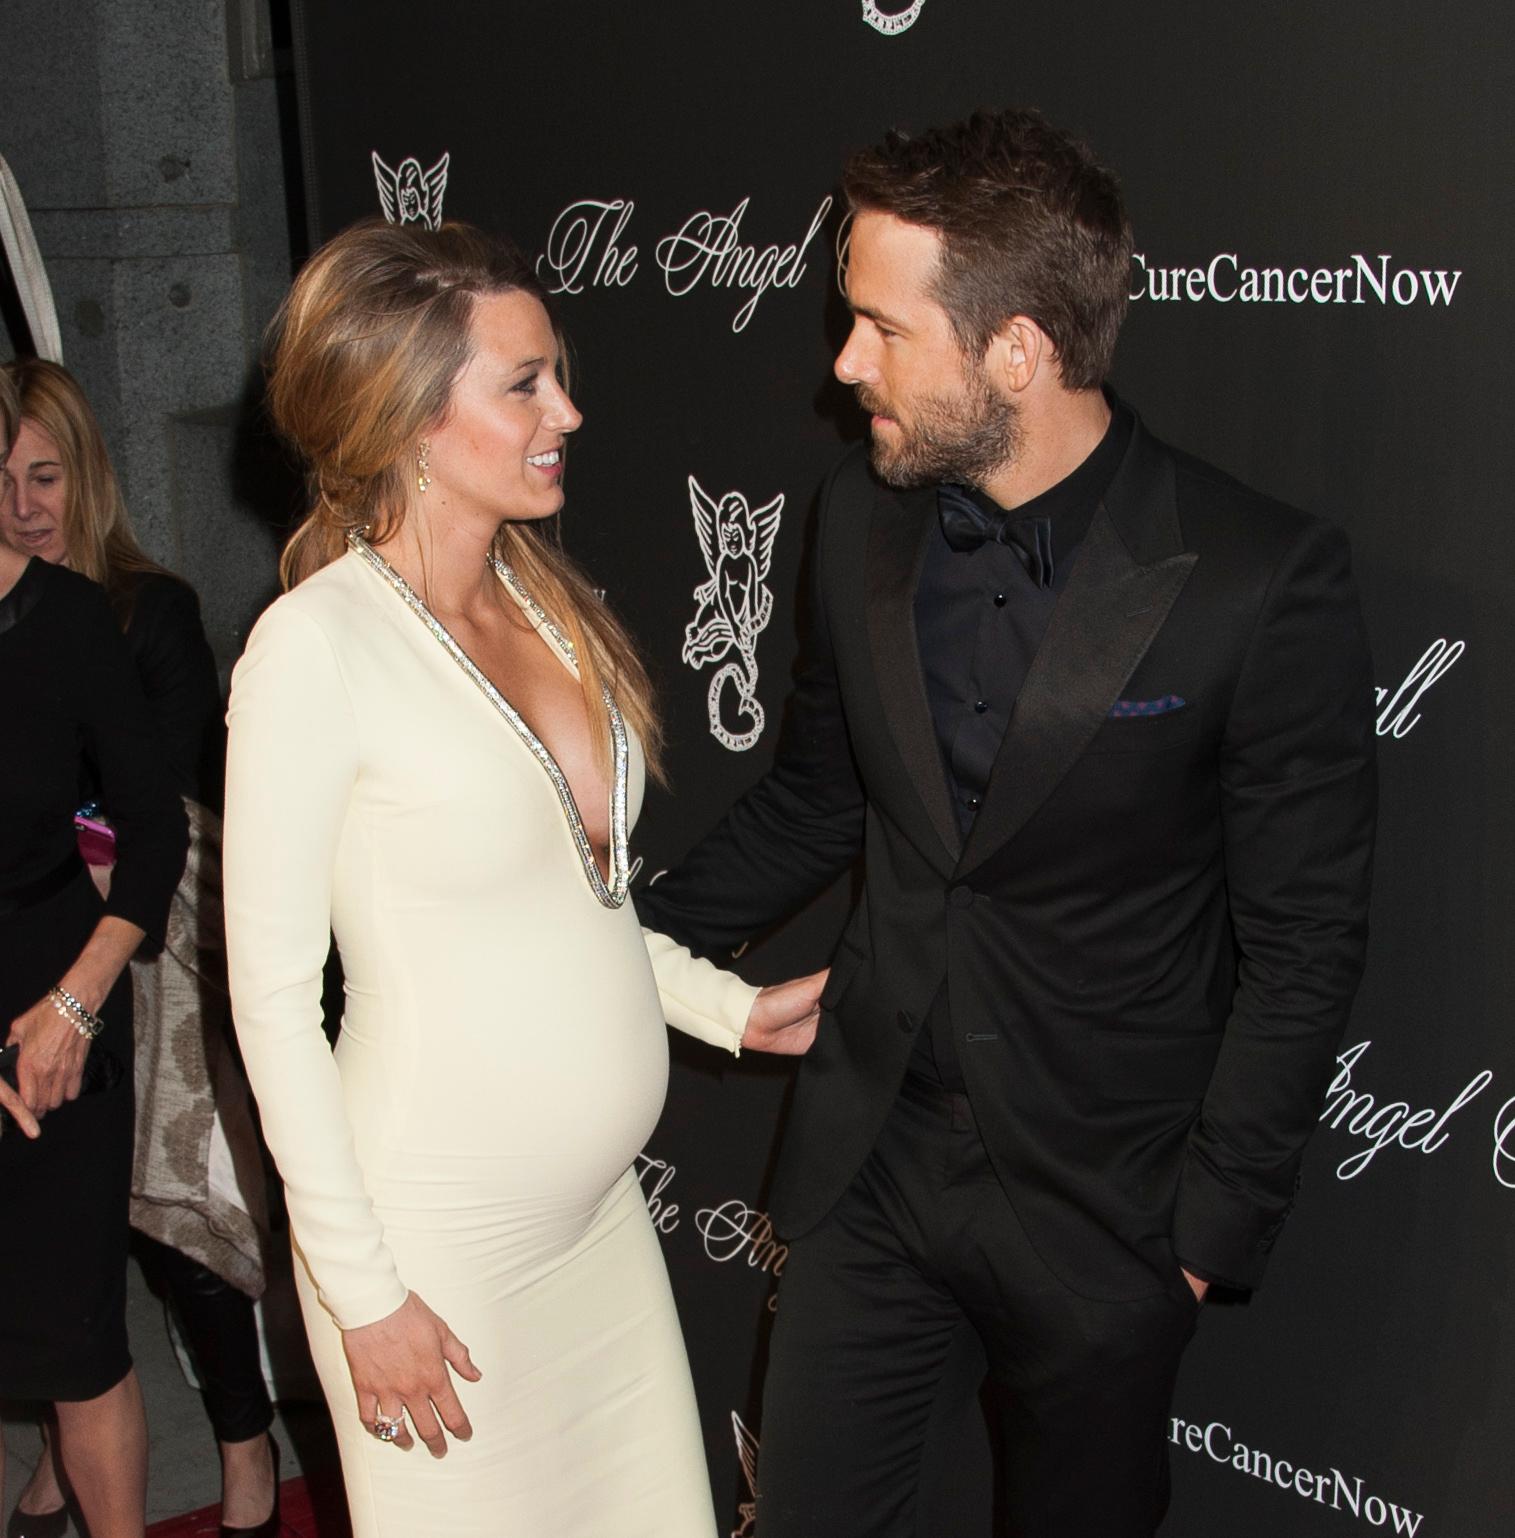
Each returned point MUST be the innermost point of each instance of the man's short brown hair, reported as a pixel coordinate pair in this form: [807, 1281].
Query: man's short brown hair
[1030, 224]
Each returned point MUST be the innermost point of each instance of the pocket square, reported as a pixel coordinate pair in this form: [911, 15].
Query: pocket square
[1158, 707]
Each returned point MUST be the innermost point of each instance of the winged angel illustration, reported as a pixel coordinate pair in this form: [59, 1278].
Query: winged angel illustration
[410, 195]
[747, 1452]
[734, 605]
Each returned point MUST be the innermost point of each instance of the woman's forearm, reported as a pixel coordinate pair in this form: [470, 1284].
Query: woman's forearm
[94, 971]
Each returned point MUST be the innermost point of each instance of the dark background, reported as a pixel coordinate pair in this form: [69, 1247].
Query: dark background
[1289, 134]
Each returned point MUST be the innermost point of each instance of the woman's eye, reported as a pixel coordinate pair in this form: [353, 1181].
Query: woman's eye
[525, 386]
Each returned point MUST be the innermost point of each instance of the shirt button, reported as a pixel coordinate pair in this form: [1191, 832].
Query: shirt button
[999, 600]
[973, 802]
[981, 706]
[961, 897]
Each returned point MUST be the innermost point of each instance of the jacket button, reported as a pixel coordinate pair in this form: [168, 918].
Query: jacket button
[905, 1023]
[961, 897]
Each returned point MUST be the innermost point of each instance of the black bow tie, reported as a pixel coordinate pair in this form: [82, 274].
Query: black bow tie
[967, 525]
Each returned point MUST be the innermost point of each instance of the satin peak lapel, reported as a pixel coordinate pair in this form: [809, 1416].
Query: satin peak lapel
[897, 538]
[1105, 620]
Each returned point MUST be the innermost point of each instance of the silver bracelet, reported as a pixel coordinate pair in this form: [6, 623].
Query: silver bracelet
[88, 1025]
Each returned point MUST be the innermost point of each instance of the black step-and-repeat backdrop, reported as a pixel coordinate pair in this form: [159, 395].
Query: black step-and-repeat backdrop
[1321, 303]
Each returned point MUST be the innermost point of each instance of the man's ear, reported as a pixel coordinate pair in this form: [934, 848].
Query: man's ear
[1019, 350]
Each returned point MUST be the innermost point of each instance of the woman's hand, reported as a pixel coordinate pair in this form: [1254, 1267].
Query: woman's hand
[399, 1365]
[784, 1017]
[51, 1065]
[11, 1102]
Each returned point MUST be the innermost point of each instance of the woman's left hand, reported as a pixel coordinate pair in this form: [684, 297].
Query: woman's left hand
[784, 1017]
[50, 1066]
[15, 1107]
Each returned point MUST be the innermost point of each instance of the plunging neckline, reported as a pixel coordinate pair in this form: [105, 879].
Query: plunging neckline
[611, 893]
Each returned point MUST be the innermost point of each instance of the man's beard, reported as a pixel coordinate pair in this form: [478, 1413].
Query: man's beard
[968, 438]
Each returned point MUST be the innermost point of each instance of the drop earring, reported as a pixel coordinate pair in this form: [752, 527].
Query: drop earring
[423, 466]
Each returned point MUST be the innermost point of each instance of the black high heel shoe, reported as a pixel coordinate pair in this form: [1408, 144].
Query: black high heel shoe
[50, 1524]
[270, 1527]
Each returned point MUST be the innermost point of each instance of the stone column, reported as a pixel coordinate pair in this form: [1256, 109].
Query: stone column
[156, 186]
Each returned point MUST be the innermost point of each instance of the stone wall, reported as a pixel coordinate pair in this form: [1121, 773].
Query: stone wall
[150, 139]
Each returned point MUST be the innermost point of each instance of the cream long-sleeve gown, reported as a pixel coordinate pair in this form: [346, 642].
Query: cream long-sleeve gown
[502, 1059]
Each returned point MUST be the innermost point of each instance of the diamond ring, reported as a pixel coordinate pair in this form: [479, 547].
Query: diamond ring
[387, 1427]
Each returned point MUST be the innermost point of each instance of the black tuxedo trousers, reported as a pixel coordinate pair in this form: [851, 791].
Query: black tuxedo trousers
[918, 1282]
[1150, 940]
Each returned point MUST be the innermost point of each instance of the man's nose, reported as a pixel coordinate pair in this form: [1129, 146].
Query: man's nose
[853, 364]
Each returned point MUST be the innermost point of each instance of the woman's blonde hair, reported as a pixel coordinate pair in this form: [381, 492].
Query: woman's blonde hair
[362, 358]
[8, 414]
[96, 530]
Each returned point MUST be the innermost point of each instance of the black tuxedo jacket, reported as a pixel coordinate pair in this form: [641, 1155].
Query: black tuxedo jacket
[1151, 938]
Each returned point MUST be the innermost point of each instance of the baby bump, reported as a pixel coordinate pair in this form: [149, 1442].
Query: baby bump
[535, 1088]
[501, 1161]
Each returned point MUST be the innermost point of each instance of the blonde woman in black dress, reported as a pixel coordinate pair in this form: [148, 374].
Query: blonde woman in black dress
[69, 697]
[66, 508]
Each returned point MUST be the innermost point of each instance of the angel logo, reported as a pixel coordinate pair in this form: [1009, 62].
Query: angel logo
[735, 605]
[409, 195]
[747, 1452]
[891, 23]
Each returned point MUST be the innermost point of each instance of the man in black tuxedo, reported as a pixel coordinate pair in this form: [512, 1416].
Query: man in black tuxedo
[1099, 720]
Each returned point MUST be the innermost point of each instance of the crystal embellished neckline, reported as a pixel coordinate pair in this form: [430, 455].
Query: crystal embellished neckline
[613, 894]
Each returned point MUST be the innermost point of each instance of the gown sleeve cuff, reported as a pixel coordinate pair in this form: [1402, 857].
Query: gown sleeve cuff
[698, 997]
[353, 1309]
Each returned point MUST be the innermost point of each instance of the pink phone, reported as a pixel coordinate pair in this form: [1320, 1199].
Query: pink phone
[97, 839]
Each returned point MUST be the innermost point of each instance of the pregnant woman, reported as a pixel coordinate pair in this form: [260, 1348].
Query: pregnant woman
[438, 744]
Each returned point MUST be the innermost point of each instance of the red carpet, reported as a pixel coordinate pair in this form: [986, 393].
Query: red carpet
[318, 1512]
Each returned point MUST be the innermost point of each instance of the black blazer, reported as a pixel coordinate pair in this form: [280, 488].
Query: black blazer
[1151, 939]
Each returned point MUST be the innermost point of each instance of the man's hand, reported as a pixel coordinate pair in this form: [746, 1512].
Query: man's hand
[784, 1017]
[1197, 1287]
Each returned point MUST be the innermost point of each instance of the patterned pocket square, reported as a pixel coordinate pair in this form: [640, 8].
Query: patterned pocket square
[1158, 707]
